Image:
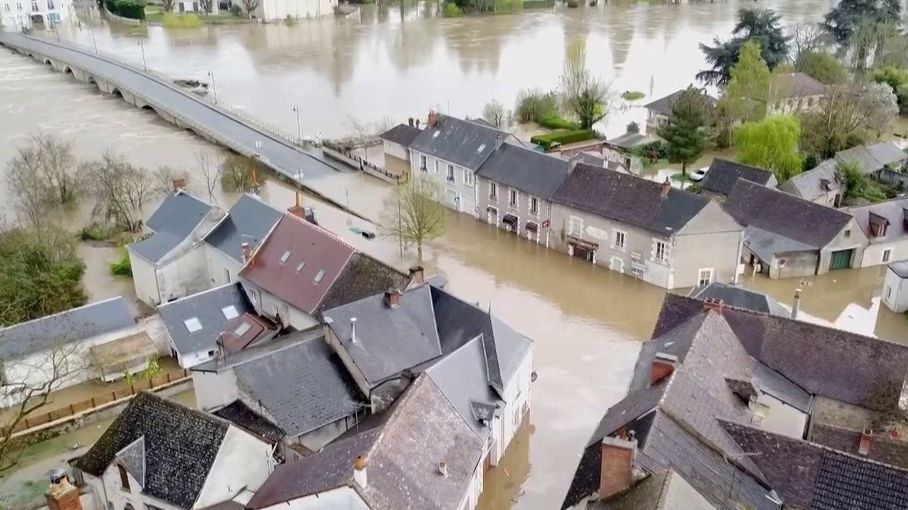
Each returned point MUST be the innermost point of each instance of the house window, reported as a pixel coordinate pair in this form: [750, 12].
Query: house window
[18, 6]
[450, 174]
[576, 226]
[211, 354]
[50, 4]
[422, 163]
[493, 191]
[660, 254]
[35, 6]
[619, 240]
[704, 277]
[888, 293]
[124, 478]
[467, 177]
[512, 197]
[848, 233]
[887, 254]
[436, 166]
[534, 206]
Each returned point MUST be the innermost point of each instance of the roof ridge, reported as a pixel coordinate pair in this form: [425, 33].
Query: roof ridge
[57, 314]
[789, 196]
[206, 291]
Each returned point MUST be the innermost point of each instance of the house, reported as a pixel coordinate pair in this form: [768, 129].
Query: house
[196, 324]
[895, 287]
[274, 10]
[723, 174]
[885, 224]
[301, 269]
[874, 159]
[16, 14]
[396, 143]
[740, 297]
[420, 454]
[515, 189]
[248, 221]
[160, 454]
[659, 111]
[665, 490]
[787, 236]
[664, 236]
[709, 366]
[623, 151]
[165, 264]
[293, 392]
[98, 340]
[449, 151]
[822, 185]
[478, 362]
[795, 92]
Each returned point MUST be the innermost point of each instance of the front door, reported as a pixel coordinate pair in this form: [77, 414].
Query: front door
[841, 259]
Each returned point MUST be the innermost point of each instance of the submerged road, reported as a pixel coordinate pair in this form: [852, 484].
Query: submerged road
[208, 120]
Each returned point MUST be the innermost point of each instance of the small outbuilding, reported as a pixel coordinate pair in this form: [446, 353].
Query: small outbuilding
[895, 287]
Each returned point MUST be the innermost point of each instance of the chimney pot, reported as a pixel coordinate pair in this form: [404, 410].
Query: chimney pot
[617, 465]
[417, 276]
[443, 469]
[715, 305]
[245, 248]
[410, 121]
[178, 184]
[359, 471]
[392, 298]
[433, 119]
[666, 187]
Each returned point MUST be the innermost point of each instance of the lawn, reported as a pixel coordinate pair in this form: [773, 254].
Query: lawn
[154, 14]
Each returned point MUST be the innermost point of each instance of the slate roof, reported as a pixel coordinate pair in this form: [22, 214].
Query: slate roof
[300, 387]
[765, 245]
[402, 454]
[783, 214]
[527, 170]
[363, 276]
[808, 475]
[171, 223]
[870, 158]
[663, 105]
[631, 140]
[242, 416]
[739, 297]
[894, 211]
[459, 141]
[208, 307]
[629, 199]
[84, 322]
[887, 153]
[814, 183]
[900, 268]
[723, 174]
[309, 251]
[402, 134]
[795, 85]
[180, 447]
[249, 220]
[665, 490]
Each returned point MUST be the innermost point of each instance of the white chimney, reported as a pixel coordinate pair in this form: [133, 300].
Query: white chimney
[443, 469]
[359, 472]
[353, 329]
[796, 304]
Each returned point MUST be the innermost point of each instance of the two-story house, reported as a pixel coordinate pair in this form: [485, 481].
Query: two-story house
[449, 151]
[515, 187]
[664, 236]
[886, 226]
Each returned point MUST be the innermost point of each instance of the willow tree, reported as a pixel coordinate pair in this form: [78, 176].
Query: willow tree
[771, 143]
[414, 214]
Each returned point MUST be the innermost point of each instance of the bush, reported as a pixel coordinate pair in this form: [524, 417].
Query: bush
[553, 121]
[633, 127]
[632, 95]
[181, 21]
[236, 10]
[452, 11]
[563, 137]
[122, 267]
[534, 104]
[290, 20]
[126, 8]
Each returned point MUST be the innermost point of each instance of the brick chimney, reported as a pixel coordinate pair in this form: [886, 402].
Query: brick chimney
[178, 184]
[417, 276]
[663, 365]
[62, 495]
[864, 445]
[715, 305]
[392, 299]
[433, 119]
[617, 466]
[247, 253]
[297, 208]
[359, 471]
[666, 187]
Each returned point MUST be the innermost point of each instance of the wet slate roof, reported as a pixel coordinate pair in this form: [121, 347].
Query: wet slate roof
[402, 134]
[894, 212]
[814, 183]
[73, 325]
[740, 297]
[249, 220]
[461, 142]
[771, 210]
[629, 199]
[213, 309]
[133, 458]
[723, 174]
[171, 223]
[363, 276]
[527, 170]
[870, 158]
[180, 447]
[663, 105]
[242, 416]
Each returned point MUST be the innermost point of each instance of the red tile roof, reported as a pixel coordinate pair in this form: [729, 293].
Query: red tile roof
[290, 260]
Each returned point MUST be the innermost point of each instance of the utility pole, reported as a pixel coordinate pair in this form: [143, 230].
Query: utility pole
[299, 131]
[214, 90]
[144, 63]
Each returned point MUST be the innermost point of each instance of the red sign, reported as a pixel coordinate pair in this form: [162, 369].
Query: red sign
[545, 224]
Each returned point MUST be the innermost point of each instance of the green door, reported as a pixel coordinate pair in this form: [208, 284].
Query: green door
[841, 260]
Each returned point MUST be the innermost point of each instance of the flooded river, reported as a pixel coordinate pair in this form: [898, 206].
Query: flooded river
[587, 322]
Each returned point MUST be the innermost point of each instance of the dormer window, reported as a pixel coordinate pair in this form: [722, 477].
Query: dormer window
[124, 478]
[878, 225]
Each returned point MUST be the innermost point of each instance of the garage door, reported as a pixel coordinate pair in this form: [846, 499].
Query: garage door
[841, 259]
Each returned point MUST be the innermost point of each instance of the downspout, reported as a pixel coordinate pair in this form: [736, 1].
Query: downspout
[738, 259]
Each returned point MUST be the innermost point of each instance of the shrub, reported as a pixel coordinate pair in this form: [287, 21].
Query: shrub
[533, 104]
[452, 11]
[126, 8]
[181, 21]
[563, 137]
[632, 95]
[122, 267]
[236, 10]
[553, 121]
[633, 127]
[290, 20]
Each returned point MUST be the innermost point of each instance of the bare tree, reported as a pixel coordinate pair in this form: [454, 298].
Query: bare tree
[239, 173]
[584, 95]
[43, 174]
[806, 38]
[362, 130]
[414, 214]
[845, 116]
[121, 190]
[250, 6]
[206, 5]
[496, 114]
[167, 5]
[210, 167]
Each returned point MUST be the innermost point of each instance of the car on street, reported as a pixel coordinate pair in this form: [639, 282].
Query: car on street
[698, 174]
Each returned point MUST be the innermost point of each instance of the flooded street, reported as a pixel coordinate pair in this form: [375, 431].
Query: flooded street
[588, 322]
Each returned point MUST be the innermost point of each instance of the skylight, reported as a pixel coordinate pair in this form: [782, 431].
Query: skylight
[230, 312]
[285, 257]
[242, 329]
[481, 148]
[319, 277]
[300, 266]
[193, 324]
[435, 134]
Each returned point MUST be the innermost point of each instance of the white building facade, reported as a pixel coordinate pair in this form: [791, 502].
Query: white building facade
[18, 14]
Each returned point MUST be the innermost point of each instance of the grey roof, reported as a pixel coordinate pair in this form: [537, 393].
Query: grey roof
[629, 199]
[794, 85]
[766, 245]
[739, 297]
[180, 447]
[870, 158]
[242, 416]
[459, 141]
[249, 220]
[66, 327]
[887, 153]
[663, 105]
[665, 490]
[723, 174]
[363, 276]
[301, 387]
[900, 268]
[808, 475]
[814, 183]
[208, 308]
[771, 210]
[171, 223]
[402, 134]
[524, 169]
[894, 211]
[631, 140]
[133, 458]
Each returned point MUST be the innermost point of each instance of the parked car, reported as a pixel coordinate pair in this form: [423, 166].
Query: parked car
[698, 174]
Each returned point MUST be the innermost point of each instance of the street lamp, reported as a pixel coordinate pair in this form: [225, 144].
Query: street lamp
[214, 90]
[93, 40]
[299, 132]
[144, 63]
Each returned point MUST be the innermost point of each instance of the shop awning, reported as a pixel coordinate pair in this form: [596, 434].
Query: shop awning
[586, 245]
[509, 218]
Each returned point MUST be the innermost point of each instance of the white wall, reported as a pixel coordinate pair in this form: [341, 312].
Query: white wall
[108, 489]
[279, 9]
[873, 254]
[465, 192]
[395, 149]
[895, 292]
[242, 462]
[270, 306]
[342, 498]
[218, 265]
[183, 275]
[143, 279]
[214, 389]
[20, 12]
[516, 396]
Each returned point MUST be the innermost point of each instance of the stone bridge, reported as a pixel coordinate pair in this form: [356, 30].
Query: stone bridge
[181, 108]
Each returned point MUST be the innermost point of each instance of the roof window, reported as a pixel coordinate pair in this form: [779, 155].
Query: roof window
[230, 312]
[436, 133]
[481, 148]
[319, 277]
[193, 324]
[242, 329]
[300, 266]
[285, 257]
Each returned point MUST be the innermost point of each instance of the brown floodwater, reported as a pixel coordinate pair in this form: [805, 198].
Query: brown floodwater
[587, 322]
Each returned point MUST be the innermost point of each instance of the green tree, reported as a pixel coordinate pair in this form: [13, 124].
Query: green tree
[847, 117]
[747, 95]
[857, 185]
[897, 78]
[414, 214]
[822, 66]
[239, 173]
[760, 24]
[584, 95]
[771, 143]
[686, 134]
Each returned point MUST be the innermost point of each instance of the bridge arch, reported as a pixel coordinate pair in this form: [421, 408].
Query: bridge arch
[67, 70]
[149, 108]
[48, 62]
[91, 81]
[116, 92]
